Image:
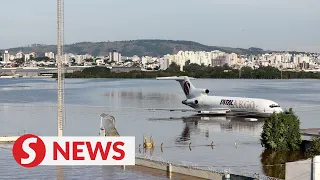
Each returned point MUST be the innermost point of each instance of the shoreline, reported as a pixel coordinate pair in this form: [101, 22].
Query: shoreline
[191, 76]
[49, 77]
[28, 77]
[196, 72]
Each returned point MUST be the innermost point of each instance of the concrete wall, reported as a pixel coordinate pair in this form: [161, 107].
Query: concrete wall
[180, 169]
[299, 170]
[316, 168]
[305, 170]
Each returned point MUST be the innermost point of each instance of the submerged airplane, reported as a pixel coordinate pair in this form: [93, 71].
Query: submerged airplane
[202, 103]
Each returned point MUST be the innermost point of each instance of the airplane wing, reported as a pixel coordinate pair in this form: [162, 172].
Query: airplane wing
[175, 78]
[167, 109]
[211, 111]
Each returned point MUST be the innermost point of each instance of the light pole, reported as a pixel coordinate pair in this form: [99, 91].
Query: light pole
[58, 58]
[60, 87]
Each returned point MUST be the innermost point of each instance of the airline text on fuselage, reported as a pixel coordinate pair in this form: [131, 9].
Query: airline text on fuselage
[238, 104]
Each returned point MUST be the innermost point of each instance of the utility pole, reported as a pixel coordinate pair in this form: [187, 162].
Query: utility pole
[62, 27]
[58, 59]
[59, 69]
[64, 68]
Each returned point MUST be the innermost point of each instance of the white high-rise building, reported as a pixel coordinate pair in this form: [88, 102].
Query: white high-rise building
[115, 56]
[164, 63]
[6, 56]
[66, 58]
[79, 59]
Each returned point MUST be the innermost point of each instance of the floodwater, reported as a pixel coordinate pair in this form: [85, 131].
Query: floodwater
[30, 105]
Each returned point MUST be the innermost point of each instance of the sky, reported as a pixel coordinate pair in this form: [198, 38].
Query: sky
[267, 24]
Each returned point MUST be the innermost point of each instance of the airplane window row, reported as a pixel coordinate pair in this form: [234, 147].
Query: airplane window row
[274, 105]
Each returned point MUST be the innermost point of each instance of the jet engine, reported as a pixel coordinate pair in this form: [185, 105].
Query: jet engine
[202, 91]
[190, 102]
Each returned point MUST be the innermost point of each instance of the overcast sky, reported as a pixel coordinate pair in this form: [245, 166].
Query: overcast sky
[268, 24]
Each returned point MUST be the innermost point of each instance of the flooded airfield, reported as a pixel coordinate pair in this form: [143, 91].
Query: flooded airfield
[185, 137]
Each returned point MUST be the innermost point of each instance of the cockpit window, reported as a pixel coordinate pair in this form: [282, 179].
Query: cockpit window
[274, 105]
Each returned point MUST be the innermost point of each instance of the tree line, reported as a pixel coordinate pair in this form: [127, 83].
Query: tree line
[197, 71]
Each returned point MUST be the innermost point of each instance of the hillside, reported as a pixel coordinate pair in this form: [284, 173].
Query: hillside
[134, 47]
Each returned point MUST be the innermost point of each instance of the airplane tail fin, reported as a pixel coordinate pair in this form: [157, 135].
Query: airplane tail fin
[189, 90]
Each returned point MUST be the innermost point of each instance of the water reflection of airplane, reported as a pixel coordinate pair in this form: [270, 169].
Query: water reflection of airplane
[208, 124]
[205, 124]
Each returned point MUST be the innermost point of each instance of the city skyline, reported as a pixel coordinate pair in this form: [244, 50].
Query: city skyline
[286, 25]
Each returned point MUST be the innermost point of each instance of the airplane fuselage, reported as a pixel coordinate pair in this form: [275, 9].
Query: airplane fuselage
[203, 103]
[236, 105]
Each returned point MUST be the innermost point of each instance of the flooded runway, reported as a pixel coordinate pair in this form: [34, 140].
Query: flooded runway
[236, 141]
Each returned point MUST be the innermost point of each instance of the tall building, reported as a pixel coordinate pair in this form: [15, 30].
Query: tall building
[79, 59]
[115, 56]
[164, 63]
[6, 57]
[66, 58]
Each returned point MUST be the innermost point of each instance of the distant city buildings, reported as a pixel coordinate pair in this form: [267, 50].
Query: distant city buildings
[218, 58]
[306, 61]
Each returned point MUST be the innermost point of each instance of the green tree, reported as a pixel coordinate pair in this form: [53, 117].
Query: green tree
[19, 61]
[42, 58]
[135, 64]
[89, 60]
[314, 150]
[96, 70]
[173, 68]
[226, 66]
[192, 68]
[281, 132]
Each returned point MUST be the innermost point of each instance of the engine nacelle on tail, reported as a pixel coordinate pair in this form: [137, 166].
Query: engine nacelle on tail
[201, 91]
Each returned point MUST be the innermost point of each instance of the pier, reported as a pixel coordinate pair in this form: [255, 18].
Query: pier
[8, 139]
[307, 135]
[311, 132]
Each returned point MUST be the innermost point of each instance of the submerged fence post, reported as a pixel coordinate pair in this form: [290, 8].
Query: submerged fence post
[169, 170]
[226, 175]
